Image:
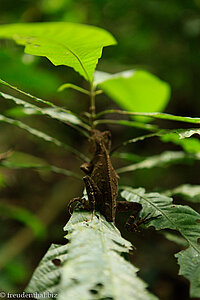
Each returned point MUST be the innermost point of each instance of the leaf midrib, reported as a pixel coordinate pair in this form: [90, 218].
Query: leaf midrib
[176, 228]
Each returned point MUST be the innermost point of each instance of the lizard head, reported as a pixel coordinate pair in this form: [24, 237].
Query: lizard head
[100, 139]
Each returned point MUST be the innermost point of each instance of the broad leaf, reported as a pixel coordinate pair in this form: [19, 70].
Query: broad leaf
[161, 160]
[46, 277]
[177, 217]
[93, 267]
[42, 135]
[135, 90]
[75, 45]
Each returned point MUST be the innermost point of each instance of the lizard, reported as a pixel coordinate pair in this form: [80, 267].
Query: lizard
[101, 182]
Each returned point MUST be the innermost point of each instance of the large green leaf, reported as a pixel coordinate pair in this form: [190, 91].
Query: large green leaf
[75, 45]
[176, 217]
[138, 91]
[90, 265]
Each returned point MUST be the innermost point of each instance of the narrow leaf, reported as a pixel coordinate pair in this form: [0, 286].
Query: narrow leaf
[155, 115]
[23, 215]
[55, 113]
[161, 160]
[42, 135]
[75, 45]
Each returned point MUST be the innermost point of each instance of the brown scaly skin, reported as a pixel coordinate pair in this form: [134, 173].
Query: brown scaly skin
[101, 182]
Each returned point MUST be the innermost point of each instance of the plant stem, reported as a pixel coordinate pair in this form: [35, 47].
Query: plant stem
[92, 105]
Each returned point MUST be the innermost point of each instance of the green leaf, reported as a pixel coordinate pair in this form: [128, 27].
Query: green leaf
[75, 45]
[189, 261]
[135, 90]
[191, 145]
[55, 113]
[176, 217]
[188, 192]
[161, 160]
[24, 216]
[155, 115]
[93, 267]
[42, 135]
[180, 134]
[46, 277]
[20, 160]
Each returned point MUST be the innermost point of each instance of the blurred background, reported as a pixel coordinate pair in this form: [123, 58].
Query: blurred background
[162, 37]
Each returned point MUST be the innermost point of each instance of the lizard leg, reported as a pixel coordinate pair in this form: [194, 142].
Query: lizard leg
[133, 223]
[84, 203]
[134, 208]
[93, 192]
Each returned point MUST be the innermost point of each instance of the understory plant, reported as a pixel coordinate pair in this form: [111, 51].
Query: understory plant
[93, 263]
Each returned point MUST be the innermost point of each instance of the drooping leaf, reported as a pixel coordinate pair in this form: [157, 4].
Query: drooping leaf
[42, 135]
[176, 217]
[191, 145]
[135, 90]
[23, 215]
[187, 191]
[155, 115]
[55, 113]
[93, 268]
[135, 124]
[189, 261]
[19, 160]
[75, 45]
[180, 134]
[161, 160]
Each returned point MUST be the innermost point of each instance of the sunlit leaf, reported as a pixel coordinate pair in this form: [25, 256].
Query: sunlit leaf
[75, 45]
[135, 90]
[176, 217]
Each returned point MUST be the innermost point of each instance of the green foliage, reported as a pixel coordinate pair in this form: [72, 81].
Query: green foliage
[161, 160]
[135, 90]
[189, 192]
[101, 275]
[24, 216]
[75, 45]
[91, 265]
[20, 160]
[177, 217]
